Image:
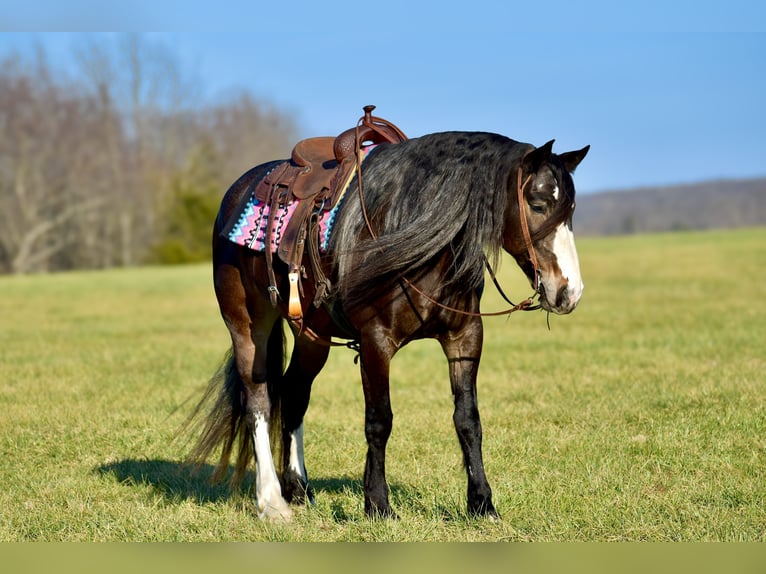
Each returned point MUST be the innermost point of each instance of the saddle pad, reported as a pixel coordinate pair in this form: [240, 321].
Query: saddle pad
[248, 227]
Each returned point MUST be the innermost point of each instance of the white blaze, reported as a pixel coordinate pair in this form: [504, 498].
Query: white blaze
[566, 255]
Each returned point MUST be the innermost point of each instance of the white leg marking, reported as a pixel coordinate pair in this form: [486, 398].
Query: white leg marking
[268, 493]
[566, 256]
[297, 464]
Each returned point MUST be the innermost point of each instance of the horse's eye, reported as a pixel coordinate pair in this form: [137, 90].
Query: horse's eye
[537, 207]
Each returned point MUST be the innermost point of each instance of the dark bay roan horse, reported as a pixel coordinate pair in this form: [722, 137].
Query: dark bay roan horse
[408, 266]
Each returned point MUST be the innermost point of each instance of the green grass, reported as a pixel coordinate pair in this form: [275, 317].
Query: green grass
[639, 417]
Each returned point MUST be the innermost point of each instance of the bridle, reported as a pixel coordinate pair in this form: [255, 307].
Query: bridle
[525, 226]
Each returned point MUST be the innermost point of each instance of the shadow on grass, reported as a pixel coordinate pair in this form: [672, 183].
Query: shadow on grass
[173, 480]
[176, 480]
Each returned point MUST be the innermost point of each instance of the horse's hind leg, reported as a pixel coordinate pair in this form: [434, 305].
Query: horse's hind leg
[251, 359]
[251, 328]
[305, 363]
[463, 350]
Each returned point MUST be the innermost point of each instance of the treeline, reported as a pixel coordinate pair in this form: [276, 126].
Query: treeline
[716, 204]
[117, 162]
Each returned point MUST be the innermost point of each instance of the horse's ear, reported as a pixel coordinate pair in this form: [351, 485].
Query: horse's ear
[537, 157]
[572, 159]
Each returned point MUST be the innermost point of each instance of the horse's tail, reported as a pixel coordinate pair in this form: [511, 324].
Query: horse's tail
[275, 369]
[225, 423]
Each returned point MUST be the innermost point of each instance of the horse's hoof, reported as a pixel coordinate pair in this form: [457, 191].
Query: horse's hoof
[301, 494]
[275, 511]
[485, 510]
[376, 513]
[492, 516]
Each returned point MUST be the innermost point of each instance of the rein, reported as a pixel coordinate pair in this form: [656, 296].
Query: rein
[526, 305]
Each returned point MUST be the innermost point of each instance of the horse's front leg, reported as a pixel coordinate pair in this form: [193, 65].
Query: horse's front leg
[376, 353]
[463, 350]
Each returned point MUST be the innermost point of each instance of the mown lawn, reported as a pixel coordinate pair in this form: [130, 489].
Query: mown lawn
[642, 416]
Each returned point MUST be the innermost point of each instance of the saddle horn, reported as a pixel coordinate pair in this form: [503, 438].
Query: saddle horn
[368, 128]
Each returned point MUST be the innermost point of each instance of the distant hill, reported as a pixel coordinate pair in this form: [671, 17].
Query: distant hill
[707, 205]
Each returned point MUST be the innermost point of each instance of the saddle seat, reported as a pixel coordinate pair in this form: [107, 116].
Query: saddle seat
[321, 166]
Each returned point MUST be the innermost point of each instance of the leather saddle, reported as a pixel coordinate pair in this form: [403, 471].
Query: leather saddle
[321, 166]
[318, 170]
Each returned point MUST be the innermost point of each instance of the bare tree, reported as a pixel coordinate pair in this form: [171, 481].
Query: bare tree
[96, 171]
[247, 133]
[40, 195]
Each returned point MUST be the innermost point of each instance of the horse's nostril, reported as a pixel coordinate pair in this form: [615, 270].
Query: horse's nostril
[562, 296]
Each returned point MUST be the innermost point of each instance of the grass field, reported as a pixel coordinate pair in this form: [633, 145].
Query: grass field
[642, 416]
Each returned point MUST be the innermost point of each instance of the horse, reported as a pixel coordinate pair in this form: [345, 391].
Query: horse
[406, 261]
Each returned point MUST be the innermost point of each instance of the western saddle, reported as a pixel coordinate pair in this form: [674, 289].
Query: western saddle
[317, 172]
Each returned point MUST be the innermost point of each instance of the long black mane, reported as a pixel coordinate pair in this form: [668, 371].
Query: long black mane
[437, 192]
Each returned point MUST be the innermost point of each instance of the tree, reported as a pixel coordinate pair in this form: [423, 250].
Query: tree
[191, 209]
[45, 158]
[118, 165]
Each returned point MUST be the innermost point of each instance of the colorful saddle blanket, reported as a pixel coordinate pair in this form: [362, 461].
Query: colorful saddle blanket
[249, 226]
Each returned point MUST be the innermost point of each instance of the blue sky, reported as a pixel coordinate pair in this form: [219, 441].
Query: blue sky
[671, 92]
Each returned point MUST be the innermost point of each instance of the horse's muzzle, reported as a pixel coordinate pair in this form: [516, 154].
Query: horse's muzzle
[565, 300]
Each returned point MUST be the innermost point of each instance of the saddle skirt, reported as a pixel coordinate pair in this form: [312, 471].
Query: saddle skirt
[249, 223]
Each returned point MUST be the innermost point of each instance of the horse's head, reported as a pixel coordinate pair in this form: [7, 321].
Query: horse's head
[544, 205]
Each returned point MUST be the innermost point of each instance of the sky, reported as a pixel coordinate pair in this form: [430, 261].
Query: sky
[667, 92]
